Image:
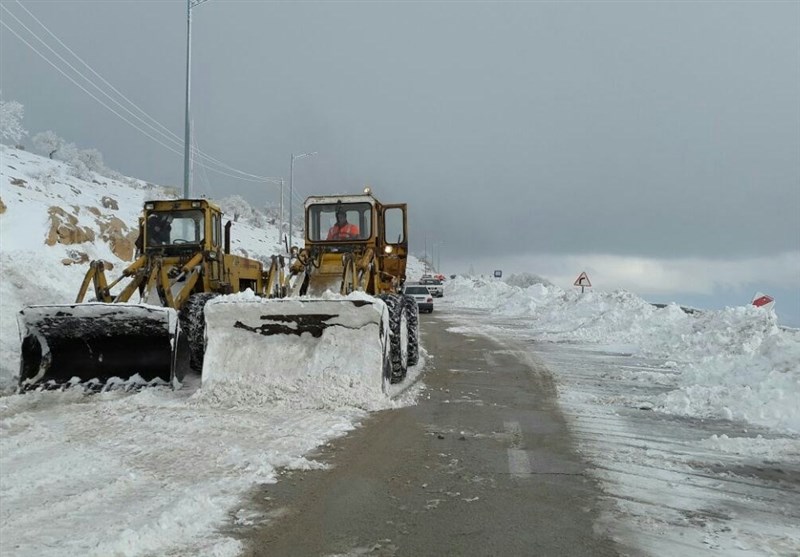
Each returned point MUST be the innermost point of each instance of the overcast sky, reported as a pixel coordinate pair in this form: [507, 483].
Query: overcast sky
[605, 135]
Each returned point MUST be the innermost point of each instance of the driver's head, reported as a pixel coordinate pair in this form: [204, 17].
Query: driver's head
[341, 216]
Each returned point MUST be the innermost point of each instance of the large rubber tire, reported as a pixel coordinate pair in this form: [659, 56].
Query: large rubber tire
[398, 335]
[412, 310]
[387, 359]
[193, 323]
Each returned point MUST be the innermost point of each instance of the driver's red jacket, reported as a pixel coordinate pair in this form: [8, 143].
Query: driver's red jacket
[346, 232]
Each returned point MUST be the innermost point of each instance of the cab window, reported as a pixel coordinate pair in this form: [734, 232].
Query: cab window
[175, 227]
[393, 226]
[339, 222]
[215, 230]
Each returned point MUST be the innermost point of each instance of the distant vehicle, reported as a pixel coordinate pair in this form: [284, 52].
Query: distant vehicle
[422, 295]
[434, 286]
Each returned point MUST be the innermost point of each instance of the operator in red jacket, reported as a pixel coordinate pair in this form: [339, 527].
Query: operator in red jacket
[342, 230]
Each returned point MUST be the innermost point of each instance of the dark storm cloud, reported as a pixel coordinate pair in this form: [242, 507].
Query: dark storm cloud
[652, 129]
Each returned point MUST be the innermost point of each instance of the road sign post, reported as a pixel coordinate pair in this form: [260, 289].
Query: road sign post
[582, 281]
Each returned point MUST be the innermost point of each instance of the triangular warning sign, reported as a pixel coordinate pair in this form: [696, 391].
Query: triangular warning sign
[582, 280]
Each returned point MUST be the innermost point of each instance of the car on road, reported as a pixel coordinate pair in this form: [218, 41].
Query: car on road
[422, 295]
[434, 286]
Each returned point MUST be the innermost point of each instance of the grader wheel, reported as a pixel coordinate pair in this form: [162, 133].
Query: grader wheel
[412, 310]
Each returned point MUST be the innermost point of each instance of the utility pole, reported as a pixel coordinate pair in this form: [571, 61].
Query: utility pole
[187, 138]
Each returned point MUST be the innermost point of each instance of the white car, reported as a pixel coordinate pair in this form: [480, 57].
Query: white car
[434, 286]
[423, 297]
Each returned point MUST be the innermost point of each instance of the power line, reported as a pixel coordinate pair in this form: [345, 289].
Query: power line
[239, 174]
[123, 118]
[91, 69]
[4, 24]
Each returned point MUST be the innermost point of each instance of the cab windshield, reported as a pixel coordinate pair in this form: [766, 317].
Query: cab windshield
[173, 228]
[337, 222]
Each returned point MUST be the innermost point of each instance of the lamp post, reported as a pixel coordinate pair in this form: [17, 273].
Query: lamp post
[291, 192]
[280, 234]
[280, 217]
[187, 161]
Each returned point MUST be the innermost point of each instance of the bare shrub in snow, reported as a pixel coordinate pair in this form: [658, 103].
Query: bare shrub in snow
[93, 159]
[11, 113]
[235, 207]
[48, 143]
[82, 162]
[238, 209]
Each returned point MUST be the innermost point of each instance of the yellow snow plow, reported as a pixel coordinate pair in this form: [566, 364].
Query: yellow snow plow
[98, 344]
[344, 314]
[146, 326]
[286, 342]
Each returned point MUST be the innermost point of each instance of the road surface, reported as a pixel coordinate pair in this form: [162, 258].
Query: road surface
[482, 465]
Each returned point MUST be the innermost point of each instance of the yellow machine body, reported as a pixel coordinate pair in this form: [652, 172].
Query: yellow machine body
[132, 328]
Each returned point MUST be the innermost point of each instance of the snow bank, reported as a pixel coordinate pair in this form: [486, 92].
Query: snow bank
[735, 363]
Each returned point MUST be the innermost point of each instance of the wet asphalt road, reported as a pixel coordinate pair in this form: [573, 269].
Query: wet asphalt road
[482, 465]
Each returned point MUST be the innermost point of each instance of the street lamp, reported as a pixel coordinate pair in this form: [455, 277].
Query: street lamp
[280, 237]
[280, 218]
[436, 255]
[187, 137]
[291, 191]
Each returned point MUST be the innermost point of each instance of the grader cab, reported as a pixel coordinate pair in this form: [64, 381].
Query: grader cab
[367, 253]
[147, 324]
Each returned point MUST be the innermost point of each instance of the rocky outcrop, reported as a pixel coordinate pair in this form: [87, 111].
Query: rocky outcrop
[2, 207]
[75, 256]
[64, 229]
[119, 236]
[109, 203]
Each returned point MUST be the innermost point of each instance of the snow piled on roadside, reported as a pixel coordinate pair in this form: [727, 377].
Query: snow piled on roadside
[735, 363]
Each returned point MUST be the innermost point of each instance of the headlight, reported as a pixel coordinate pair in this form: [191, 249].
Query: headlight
[388, 249]
[149, 206]
[195, 204]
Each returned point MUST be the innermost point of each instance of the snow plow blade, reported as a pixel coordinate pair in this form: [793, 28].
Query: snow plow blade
[98, 344]
[290, 342]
